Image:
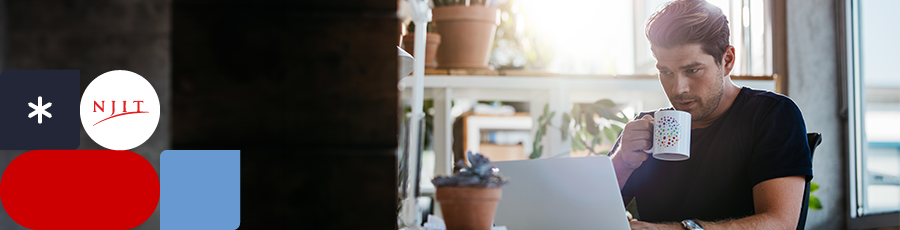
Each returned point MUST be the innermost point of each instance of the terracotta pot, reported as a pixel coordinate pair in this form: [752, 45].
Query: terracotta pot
[432, 41]
[468, 35]
[468, 208]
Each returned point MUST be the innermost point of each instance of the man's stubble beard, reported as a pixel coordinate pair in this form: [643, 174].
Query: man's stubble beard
[709, 102]
[713, 98]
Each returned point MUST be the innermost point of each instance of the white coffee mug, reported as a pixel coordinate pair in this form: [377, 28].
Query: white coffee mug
[671, 135]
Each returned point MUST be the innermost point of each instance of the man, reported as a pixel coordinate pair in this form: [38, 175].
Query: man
[749, 155]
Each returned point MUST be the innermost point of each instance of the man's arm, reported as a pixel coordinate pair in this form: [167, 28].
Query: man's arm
[627, 157]
[776, 201]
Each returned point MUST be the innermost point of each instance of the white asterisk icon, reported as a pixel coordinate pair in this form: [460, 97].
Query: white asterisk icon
[40, 110]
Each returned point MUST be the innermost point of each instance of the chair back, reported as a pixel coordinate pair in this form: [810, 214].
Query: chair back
[814, 140]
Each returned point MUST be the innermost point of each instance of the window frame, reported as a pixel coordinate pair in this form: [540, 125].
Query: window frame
[847, 24]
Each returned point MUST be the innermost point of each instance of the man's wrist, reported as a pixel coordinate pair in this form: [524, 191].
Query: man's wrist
[620, 163]
[672, 226]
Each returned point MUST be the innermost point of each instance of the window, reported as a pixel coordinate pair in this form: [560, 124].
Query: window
[873, 103]
[606, 37]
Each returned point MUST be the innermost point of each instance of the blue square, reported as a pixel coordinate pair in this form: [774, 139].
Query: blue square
[200, 189]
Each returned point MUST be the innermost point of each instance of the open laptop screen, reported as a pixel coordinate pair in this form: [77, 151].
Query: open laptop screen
[561, 193]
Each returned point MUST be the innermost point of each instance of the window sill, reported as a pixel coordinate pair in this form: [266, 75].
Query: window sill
[891, 219]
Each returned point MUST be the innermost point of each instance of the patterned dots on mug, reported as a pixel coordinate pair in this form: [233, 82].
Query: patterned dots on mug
[667, 129]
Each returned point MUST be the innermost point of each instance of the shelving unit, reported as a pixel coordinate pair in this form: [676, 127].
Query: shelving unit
[474, 124]
[557, 91]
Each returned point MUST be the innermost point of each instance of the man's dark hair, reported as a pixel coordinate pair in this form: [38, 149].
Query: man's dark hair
[683, 22]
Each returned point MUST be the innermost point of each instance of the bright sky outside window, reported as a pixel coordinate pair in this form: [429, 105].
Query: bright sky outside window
[881, 105]
[607, 36]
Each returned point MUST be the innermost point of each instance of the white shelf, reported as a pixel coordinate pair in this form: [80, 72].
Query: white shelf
[547, 83]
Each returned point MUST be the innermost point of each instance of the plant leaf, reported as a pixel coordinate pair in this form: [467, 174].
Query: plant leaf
[813, 187]
[588, 111]
[587, 135]
[616, 128]
[605, 103]
[573, 142]
[610, 134]
[547, 122]
[577, 145]
[623, 119]
[576, 113]
[578, 142]
[535, 154]
[607, 109]
[603, 112]
[565, 126]
[592, 127]
[814, 203]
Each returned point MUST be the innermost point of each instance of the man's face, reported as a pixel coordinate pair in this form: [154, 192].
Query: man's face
[691, 78]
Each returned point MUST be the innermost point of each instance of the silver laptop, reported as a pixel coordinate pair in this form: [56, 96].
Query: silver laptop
[561, 193]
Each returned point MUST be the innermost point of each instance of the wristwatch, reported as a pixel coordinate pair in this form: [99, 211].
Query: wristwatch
[691, 225]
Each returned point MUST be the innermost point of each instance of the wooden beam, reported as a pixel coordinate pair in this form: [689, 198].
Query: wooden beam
[779, 45]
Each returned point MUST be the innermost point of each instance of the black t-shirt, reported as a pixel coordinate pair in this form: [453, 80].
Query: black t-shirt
[761, 137]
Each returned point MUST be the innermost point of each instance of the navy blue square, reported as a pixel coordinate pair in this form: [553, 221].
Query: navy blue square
[18, 88]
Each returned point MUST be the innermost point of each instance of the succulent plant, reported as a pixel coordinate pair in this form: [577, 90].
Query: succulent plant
[481, 173]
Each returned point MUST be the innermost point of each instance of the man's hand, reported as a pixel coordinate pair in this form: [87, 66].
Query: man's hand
[637, 136]
[639, 225]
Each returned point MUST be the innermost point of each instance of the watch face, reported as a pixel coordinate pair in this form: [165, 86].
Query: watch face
[691, 225]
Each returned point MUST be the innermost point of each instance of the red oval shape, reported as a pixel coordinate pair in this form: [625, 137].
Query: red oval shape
[79, 189]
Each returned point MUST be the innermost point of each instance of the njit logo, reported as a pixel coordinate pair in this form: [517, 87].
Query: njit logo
[116, 94]
[113, 114]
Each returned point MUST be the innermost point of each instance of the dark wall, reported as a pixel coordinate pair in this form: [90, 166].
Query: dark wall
[307, 90]
[95, 37]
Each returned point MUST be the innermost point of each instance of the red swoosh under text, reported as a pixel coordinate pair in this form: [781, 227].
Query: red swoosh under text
[95, 124]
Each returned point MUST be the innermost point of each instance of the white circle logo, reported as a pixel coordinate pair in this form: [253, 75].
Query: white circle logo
[119, 110]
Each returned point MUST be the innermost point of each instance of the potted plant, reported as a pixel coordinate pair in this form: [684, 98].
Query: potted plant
[467, 28]
[432, 41]
[469, 197]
